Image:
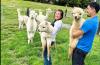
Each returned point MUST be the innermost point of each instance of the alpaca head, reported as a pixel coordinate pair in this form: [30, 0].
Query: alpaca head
[77, 13]
[45, 26]
[49, 11]
[32, 14]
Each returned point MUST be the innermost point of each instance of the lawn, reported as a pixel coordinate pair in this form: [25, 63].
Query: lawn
[15, 49]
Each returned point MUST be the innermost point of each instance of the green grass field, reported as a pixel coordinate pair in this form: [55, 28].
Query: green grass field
[15, 49]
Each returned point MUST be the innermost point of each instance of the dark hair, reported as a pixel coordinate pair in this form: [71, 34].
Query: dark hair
[95, 6]
[61, 13]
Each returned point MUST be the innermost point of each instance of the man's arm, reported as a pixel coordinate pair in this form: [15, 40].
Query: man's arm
[77, 33]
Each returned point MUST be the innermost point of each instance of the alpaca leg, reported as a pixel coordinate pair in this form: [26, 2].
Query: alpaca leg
[32, 34]
[43, 45]
[22, 25]
[74, 43]
[31, 37]
[70, 48]
[28, 35]
[48, 48]
[19, 25]
[70, 52]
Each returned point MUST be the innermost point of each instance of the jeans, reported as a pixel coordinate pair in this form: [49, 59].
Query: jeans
[78, 57]
[46, 61]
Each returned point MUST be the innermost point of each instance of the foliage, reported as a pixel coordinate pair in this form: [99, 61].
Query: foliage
[81, 3]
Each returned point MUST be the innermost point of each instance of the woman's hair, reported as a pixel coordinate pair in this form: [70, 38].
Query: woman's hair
[60, 12]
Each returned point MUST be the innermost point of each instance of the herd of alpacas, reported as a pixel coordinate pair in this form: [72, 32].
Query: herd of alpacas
[39, 22]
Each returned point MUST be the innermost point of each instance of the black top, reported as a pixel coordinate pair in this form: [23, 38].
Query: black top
[53, 23]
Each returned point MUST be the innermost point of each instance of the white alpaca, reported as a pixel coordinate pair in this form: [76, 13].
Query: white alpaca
[42, 17]
[45, 28]
[48, 11]
[31, 26]
[77, 23]
[22, 19]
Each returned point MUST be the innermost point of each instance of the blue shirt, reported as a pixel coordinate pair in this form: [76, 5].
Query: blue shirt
[89, 28]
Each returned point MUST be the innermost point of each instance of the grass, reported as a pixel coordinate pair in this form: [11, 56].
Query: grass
[15, 49]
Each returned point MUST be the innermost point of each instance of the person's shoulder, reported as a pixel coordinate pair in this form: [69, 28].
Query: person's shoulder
[96, 18]
[58, 23]
[87, 22]
[90, 20]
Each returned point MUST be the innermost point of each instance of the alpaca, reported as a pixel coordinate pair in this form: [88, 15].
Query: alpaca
[45, 28]
[31, 26]
[42, 17]
[22, 19]
[77, 23]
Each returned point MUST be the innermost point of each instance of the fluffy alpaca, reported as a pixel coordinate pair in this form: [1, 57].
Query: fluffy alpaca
[45, 28]
[48, 11]
[77, 23]
[31, 26]
[22, 19]
[42, 17]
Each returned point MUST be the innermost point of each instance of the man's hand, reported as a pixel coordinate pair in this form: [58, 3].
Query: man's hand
[77, 33]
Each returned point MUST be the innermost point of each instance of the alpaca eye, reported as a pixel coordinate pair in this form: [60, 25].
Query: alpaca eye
[43, 27]
[80, 14]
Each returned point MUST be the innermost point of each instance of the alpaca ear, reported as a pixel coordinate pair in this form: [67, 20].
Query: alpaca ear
[83, 11]
[73, 8]
[38, 22]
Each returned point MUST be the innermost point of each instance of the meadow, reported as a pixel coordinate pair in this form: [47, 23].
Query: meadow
[14, 47]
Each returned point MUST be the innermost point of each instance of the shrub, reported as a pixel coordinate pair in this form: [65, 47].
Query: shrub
[71, 3]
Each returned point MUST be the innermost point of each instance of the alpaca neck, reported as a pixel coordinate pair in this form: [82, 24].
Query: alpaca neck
[32, 19]
[18, 13]
[77, 23]
[47, 14]
[77, 19]
[40, 13]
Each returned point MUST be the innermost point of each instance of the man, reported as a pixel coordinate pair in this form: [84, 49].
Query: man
[87, 31]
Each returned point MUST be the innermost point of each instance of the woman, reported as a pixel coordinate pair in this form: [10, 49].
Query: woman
[57, 24]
